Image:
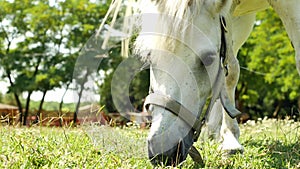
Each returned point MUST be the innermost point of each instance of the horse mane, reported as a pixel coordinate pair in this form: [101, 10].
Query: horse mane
[173, 17]
[179, 8]
[168, 25]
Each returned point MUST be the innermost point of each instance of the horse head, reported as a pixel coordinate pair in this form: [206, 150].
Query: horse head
[182, 42]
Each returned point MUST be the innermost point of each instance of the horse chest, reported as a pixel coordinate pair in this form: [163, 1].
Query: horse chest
[249, 6]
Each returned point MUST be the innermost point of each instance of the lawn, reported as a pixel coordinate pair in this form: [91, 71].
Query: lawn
[268, 144]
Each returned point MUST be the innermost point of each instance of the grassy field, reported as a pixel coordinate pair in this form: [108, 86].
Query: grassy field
[268, 144]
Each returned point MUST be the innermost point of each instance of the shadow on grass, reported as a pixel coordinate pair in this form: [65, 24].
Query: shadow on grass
[280, 154]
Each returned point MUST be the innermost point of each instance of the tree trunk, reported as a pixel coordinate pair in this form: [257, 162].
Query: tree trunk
[19, 104]
[278, 107]
[8, 74]
[61, 104]
[78, 103]
[19, 107]
[27, 108]
[79, 96]
[30, 92]
[41, 106]
[62, 98]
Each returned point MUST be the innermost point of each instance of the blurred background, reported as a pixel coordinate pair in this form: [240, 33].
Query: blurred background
[41, 42]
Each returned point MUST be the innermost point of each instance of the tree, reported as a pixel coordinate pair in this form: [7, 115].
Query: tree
[41, 42]
[13, 27]
[269, 83]
[83, 17]
[36, 57]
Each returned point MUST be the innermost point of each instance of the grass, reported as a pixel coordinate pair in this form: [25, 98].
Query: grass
[268, 144]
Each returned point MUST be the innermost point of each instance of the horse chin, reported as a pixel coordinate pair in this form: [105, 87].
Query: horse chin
[173, 156]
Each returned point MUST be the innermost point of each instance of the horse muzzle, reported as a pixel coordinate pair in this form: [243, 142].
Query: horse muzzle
[173, 156]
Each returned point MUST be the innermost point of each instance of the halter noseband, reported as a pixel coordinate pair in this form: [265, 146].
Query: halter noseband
[185, 114]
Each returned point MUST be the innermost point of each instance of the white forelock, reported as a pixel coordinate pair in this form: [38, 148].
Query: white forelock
[164, 23]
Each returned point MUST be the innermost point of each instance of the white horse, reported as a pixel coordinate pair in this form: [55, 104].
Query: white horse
[191, 46]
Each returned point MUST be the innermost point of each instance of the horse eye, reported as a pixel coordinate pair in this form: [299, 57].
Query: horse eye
[208, 58]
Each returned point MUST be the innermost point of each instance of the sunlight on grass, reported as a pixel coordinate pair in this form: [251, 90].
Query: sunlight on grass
[268, 144]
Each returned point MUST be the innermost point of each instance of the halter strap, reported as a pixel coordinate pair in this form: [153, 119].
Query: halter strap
[175, 107]
[223, 47]
[184, 114]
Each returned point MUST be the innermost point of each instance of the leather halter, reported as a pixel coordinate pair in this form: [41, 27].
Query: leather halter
[223, 48]
[185, 114]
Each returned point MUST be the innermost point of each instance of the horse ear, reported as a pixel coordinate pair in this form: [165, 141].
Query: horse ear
[228, 106]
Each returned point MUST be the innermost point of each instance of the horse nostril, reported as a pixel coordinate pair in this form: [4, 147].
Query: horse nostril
[172, 157]
[169, 154]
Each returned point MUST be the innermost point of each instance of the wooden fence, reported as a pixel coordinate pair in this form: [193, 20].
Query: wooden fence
[56, 119]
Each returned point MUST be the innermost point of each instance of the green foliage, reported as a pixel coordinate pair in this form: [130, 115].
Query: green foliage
[271, 82]
[8, 99]
[52, 106]
[267, 143]
[1, 97]
[105, 94]
[48, 106]
[137, 89]
[40, 41]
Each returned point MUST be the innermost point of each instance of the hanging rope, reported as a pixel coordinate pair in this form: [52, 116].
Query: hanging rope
[110, 9]
[114, 10]
[118, 5]
[252, 71]
[126, 28]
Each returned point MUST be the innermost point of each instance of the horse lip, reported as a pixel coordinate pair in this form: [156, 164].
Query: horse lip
[173, 156]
